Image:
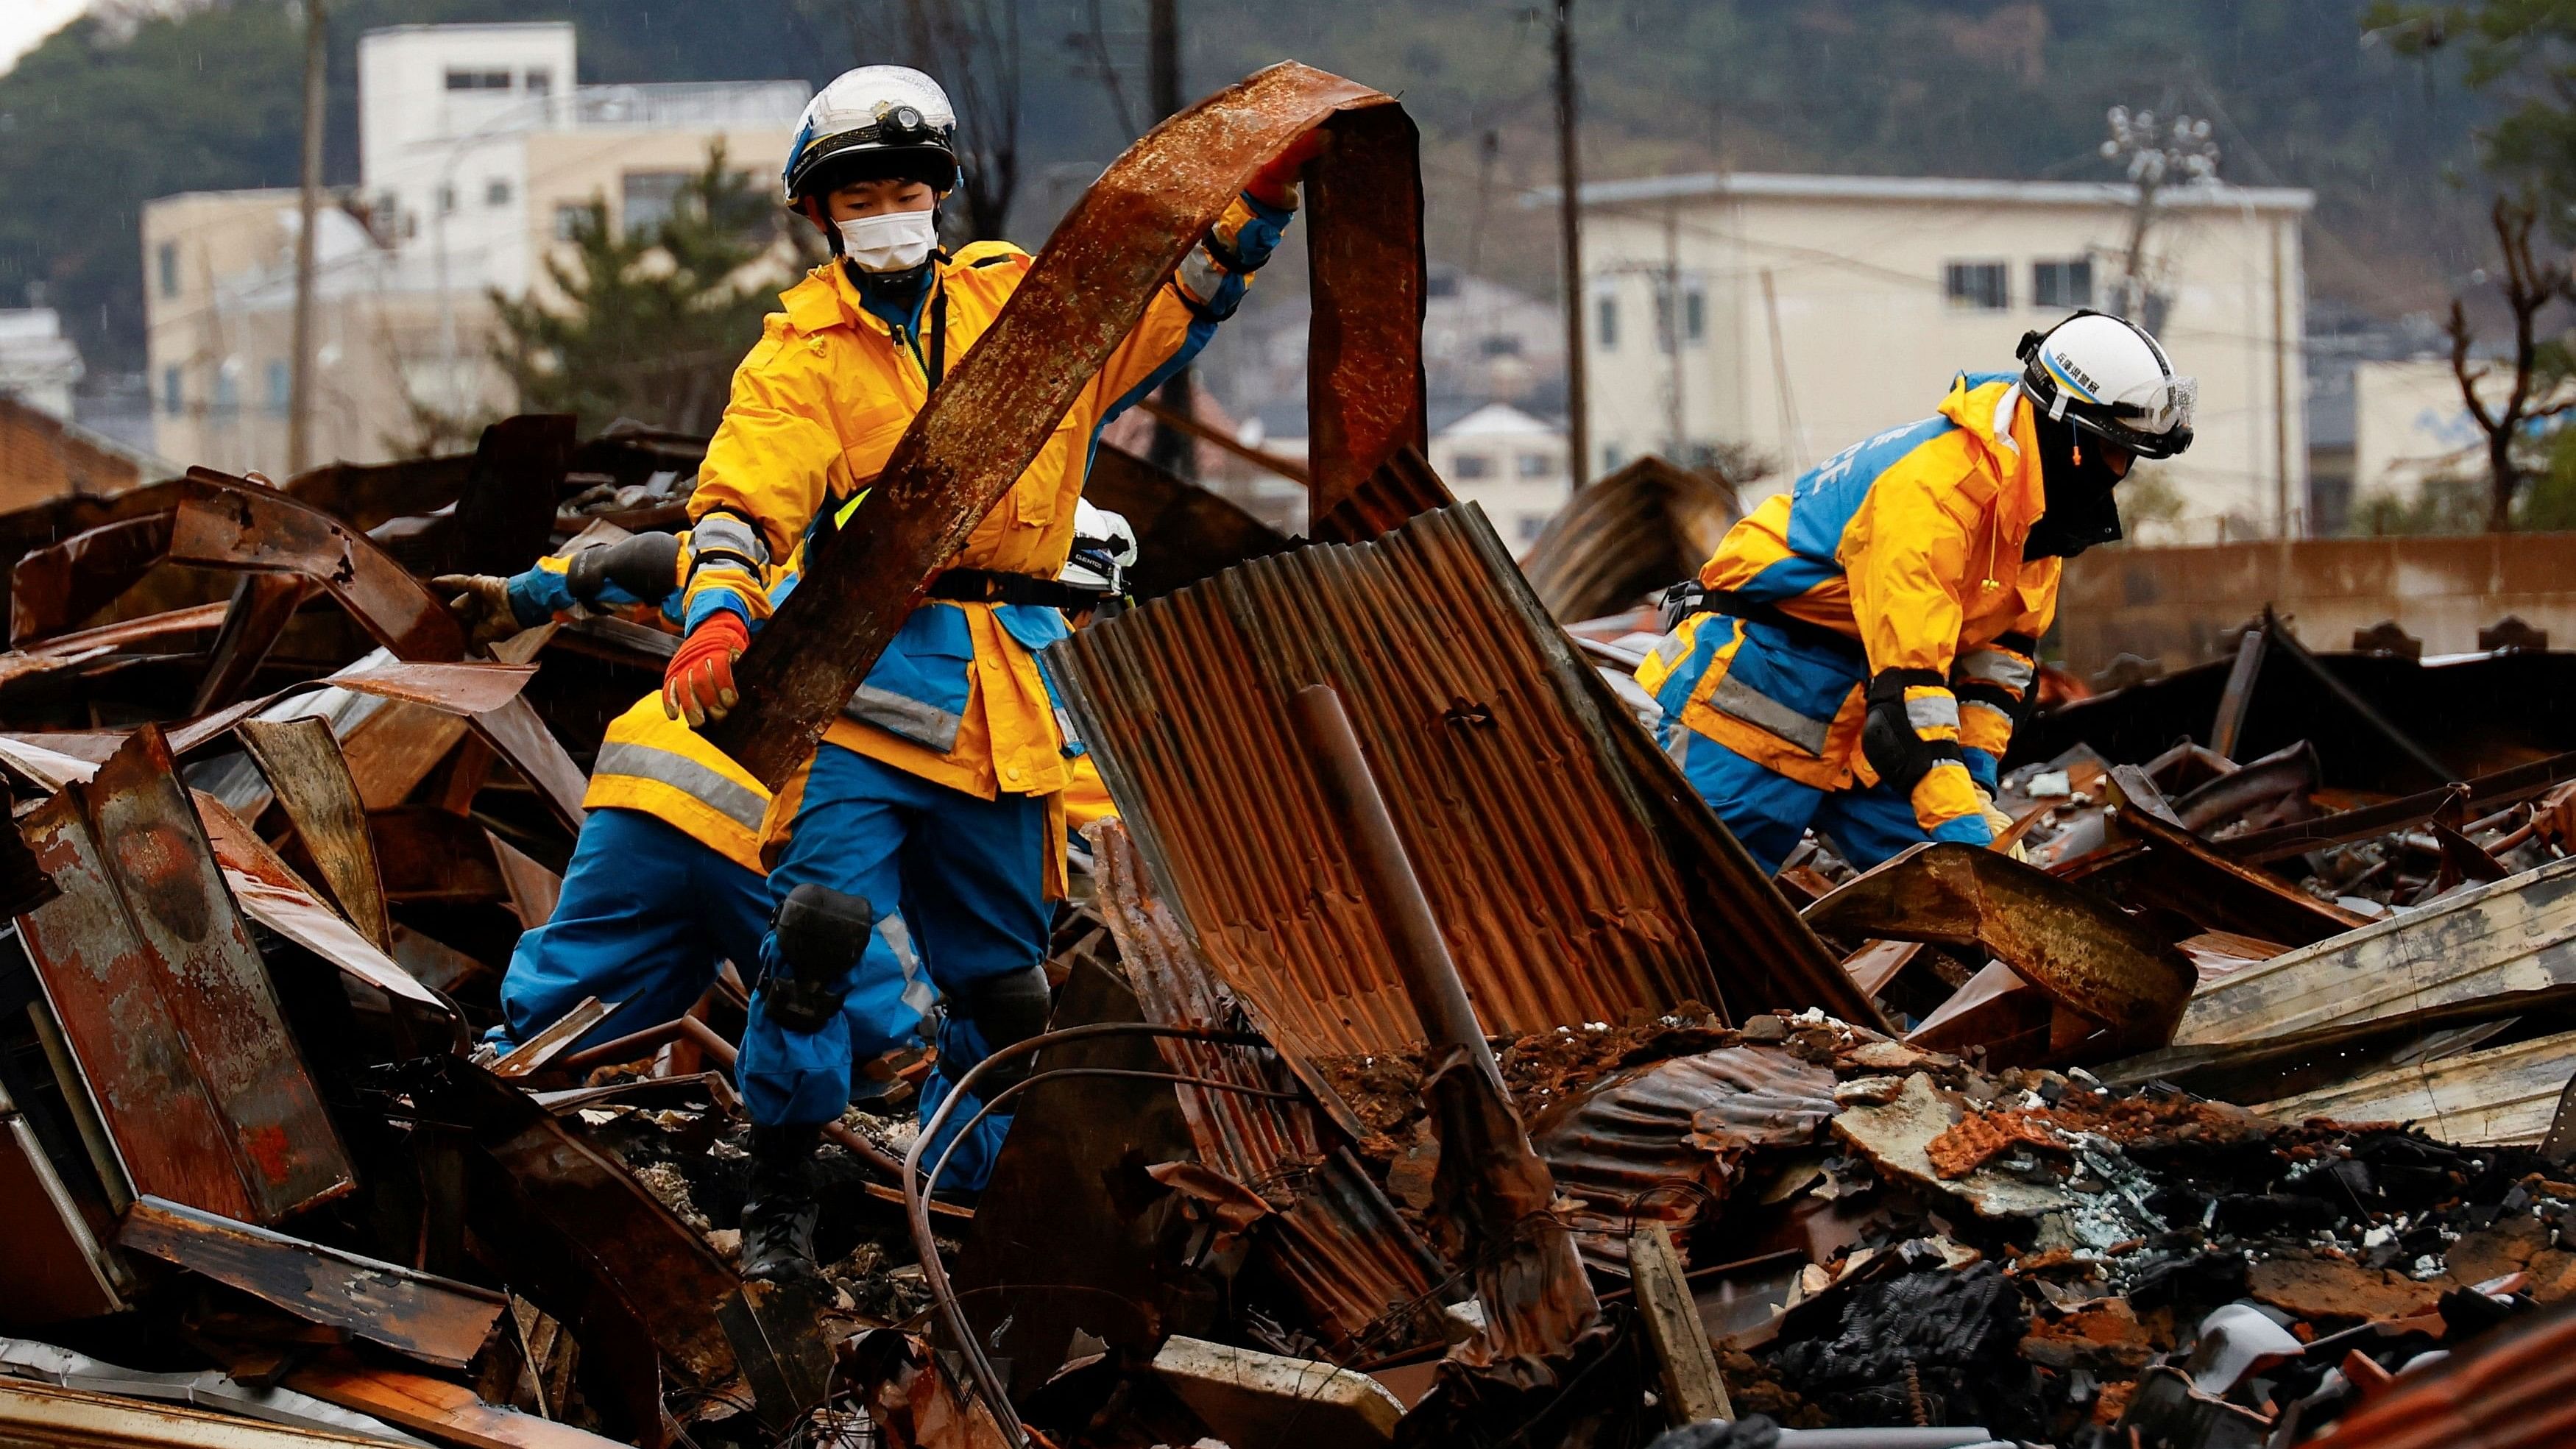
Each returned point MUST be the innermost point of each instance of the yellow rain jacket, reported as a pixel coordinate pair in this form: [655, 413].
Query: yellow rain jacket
[648, 761]
[958, 698]
[1908, 545]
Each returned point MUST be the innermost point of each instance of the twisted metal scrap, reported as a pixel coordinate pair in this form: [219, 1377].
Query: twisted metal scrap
[1083, 296]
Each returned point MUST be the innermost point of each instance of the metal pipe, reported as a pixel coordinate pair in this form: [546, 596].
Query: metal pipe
[1386, 876]
[916, 1190]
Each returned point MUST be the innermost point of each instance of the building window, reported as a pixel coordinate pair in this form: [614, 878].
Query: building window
[166, 258]
[1537, 465]
[1532, 525]
[541, 83]
[478, 80]
[1693, 320]
[227, 392]
[281, 387]
[496, 192]
[447, 201]
[1605, 321]
[1499, 344]
[1978, 286]
[1612, 455]
[649, 197]
[570, 219]
[1440, 284]
[2067, 284]
[1472, 465]
[174, 398]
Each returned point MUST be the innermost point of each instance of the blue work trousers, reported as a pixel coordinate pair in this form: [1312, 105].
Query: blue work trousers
[646, 916]
[969, 876]
[1769, 812]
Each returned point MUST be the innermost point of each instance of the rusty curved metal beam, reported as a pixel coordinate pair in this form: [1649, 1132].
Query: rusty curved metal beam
[226, 523]
[2082, 952]
[1082, 297]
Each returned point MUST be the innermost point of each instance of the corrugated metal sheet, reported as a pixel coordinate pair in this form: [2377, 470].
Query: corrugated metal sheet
[1649, 525]
[1539, 841]
[1662, 1142]
[1336, 1242]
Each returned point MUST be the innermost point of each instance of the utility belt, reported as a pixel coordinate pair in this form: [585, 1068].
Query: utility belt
[1690, 597]
[988, 586]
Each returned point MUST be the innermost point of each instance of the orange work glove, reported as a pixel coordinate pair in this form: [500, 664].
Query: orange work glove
[1275, 184]
[698, 687]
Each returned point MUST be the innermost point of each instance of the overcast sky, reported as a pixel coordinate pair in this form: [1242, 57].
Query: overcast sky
[24, 22]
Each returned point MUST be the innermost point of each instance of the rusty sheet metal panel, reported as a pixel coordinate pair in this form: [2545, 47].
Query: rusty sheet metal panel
[433, 1318]
[2085, 953]
[1623, 537]
[1540, 858]
[51, 589]
[271, 894]
[1402, 488]
[227, 523]
[169, 1007]
[1662, 1143]
[320, 797]
[1077, 303]
[1334, 1239]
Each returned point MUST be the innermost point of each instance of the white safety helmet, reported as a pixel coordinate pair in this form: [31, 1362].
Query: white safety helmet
[889, 118]
[1104, 549]
[2105, 375]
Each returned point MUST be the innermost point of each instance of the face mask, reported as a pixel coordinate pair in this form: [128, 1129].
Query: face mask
[890, 241]
[2080, 509]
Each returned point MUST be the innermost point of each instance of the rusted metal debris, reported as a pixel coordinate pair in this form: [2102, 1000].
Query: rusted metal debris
[1415, 991]
[1627, 536]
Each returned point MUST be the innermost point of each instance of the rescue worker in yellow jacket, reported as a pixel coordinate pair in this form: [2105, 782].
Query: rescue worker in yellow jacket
[1856, 654]
[941, 785]
[665, 881]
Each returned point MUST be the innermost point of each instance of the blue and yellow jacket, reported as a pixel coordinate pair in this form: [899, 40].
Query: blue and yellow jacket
[1910, 546]
[957, 698]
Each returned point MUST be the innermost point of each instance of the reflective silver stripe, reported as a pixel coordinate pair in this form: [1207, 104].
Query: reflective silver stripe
[920, 723]
[917, 991]
[1932, 711]
[1672, 642]
[1995, 666]
[738, 803]
[724, 531]
[1735, 698]
[1201, 275]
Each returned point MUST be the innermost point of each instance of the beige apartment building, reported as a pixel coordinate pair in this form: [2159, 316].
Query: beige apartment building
[476, 153]
[1800, 314]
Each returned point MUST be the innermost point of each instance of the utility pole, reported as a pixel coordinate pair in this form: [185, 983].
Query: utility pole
[308, 205]
[1578, 429]
[1172, 449]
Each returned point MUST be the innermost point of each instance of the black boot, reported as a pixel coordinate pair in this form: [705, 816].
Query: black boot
[779, 1211]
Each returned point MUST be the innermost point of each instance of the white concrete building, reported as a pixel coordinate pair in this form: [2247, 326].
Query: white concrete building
[2410, 424]
[38, 364]
[1508, 461]
[477, 150]
[1800, 314]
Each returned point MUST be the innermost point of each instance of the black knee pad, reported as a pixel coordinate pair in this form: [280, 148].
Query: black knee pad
[1007, 1009]
[821, 935]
